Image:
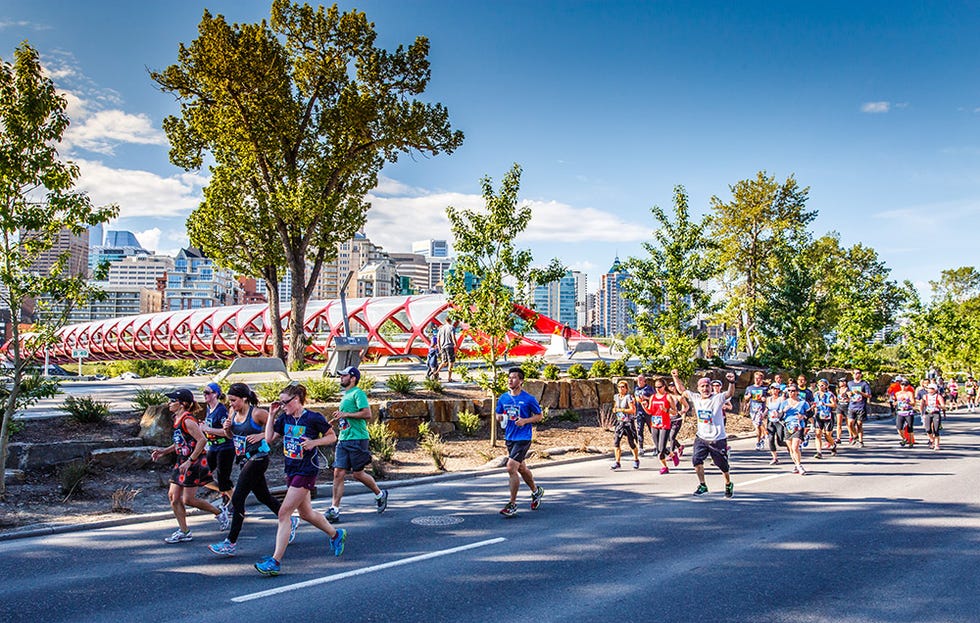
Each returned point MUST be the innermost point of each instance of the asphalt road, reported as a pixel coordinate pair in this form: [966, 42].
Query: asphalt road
[877, 534]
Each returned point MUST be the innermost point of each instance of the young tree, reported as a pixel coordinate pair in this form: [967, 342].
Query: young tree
[302, 111]
[957, 284]
[666, 288]
[37, 203]
[484, 246]
[762, 217]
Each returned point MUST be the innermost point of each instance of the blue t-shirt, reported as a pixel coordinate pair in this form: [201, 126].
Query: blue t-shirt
[523, 405]
[216, 419]
[857, 399]
[309, 425]
[757, 399]
[641, 394]
[822, 402]
[774, 409]
[794, 417]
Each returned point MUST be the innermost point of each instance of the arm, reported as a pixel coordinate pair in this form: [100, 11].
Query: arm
[630, 406]
[261, 418]
[731, 384]
[270, 434]
[326, 439]
[156, 455]
[678, 384]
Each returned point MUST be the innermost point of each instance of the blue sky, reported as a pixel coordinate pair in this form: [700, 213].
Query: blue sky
[607, 106]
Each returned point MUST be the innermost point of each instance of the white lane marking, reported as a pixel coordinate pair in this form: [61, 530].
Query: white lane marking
[356, 572]
[765, 478]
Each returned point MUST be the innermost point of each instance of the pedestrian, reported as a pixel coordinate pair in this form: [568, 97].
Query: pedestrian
[857, 409]
[432, 360]
[932, 406]
[754, 403]
[246, 428]
[221, 451]
[517, 411]
[446, 338]
[353, 448]
[624, 410]
[191, 470]
[905, 414]
[711, 438]
[302, 432]
[642, 393]
[970, 387]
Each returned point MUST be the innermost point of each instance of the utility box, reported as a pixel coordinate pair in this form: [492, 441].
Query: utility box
[346, 351]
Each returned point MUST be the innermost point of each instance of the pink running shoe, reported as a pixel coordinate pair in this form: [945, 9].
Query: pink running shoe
[664, 470]
[675, 458]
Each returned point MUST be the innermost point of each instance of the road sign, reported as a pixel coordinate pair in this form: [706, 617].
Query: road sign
[79, 353]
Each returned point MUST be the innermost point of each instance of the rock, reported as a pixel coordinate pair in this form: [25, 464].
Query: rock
[14, 475]
[483, 406]
[442, 427]
[406, 427]
[500, 461]
[583, 394]
[606, 389]
[157, 426]
[564, 394]
[535, 388]
[408, 408]
[138, 458]
[549, 395]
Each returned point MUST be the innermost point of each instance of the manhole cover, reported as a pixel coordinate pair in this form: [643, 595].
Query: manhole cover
[437, 520]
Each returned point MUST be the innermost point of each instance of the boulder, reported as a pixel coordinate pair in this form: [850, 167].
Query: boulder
[583, 395]
[157, 426]
[606, 389]
[483, 406]
[406, 427]
[549, 395]
[408, 409]
[535, 388]
[126, 458]
[564, 394]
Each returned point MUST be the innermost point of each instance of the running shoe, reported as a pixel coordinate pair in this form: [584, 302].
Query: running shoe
[179, 536]
[224, 548]
[614, 466]
[774, 462]
[676, 458]
[833, 450]
[636, 465]
[806, 440]
[293, 524]
[802, 470]
[332, 514]
[268, 566]
[796, 469]
[860, 444]
[382, 501]
[818, 455]
[729, 490]
[903, 444]
[510, 510]
[680, 451]
[337, 542]
[536, 498]
[701, 490]
[664, 470]
[224, 519]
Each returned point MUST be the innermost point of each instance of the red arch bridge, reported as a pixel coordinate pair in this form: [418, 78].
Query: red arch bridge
[397, 325]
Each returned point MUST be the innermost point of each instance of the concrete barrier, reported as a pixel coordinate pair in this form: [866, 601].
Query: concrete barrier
[255, 365]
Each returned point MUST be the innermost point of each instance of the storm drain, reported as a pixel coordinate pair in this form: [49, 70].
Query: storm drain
[437, 520]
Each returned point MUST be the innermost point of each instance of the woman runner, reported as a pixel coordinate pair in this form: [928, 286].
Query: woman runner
[662, 411]
[774, 423]
[221, 452]
[246, 427]
[794, 419]
[191, 470]
[624, 410]
[932, 406]
[905, 414]
[825, 403]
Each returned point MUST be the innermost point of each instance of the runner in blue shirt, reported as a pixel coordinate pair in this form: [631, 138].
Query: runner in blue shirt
[794, 420]
[517, 410]
[825, 403]
[859, 392]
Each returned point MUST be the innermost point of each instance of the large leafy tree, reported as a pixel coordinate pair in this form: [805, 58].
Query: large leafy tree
[762, 217]
[946, 331]
[484, 242]
[301, 112]
[37, 203]
[667, 288]
[957, 284]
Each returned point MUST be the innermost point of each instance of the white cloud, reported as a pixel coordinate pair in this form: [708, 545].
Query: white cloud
[388, 186]
[139, 194]
[149, 238]
[103, 130]
[559, 222]
[4, 24]
[876, 107]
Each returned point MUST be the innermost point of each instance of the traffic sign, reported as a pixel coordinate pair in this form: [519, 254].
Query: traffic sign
[79, 353]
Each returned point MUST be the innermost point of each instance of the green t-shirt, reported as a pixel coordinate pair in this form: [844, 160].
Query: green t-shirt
[354, 400]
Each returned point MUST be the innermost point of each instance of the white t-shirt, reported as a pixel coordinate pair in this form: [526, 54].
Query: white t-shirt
[710, 412]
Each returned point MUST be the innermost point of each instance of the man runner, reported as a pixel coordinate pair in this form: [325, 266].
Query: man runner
[755, 406]
[711, 439]
[857, 408]
[521, 410]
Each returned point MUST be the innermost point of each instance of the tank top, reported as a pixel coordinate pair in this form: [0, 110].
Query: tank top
[660, 411]
[932, 403]
[184, 442]
[240, 431]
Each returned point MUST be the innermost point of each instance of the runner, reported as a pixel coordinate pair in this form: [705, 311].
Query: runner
[754, 403]
[857, 409]
[905, 414]
[932, 406]
[893, 388]
[661, 407]
[711, 439]
[794, 420]
[432, 359]
[221, 452]
[521, 411]
[841, 411]
[774, 421]
[624, 410]
[825, 403]
[191, 470]
[302, 432]
[642, 393]
[806, 395]
[353, 448]
[970, 387]
[953, 390]
[683, 408]
[246, 428]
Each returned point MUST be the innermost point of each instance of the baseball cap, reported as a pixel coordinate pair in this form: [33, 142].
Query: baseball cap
[933, 386]
[181, 395]
[351, 370]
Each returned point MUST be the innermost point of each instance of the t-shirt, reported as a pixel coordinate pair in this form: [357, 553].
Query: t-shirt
[660, 411]
[794, 416]
[641, 394]
[447, 336]
[309, 425]
[710, 412]
[621, 406]
[353, 400]
[216, 419]
[903, 405]
[523, 405]
[822, 402]
[857, 399]
[756, 395]
[774, 409]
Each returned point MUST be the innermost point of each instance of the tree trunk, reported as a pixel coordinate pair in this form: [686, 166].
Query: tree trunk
[275, 314]
[297, 316]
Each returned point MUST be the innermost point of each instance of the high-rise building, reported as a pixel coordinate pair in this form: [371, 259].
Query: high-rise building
[436, 254]
[563, 299]
[612, 311]
[75, 246]
[119, 301]
[431, 248]
[352, 255]
[196, 283]
[139, 270]
[377, 278]
[117, 245]
[415, 268]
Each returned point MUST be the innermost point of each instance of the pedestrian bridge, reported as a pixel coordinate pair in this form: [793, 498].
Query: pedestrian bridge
[397, 325]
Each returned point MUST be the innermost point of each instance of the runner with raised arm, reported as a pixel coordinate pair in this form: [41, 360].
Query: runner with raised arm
[711, 439]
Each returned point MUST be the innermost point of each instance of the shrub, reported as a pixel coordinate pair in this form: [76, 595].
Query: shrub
[431, 443]
[146, 398]
[401, 383]
[567, 416]
[16, 426]
[367, 382]
[85, 410]
[321, 390]
[576, 371]
[433, 385]
[122, 499]
[382, 441]
[469, 423]
[599, 369]
[619, 368]
[269, 392]
[424, 430]
[71, 476]
[532, 367]
[551, 372]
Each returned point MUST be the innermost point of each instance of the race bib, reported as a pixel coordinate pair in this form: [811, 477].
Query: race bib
[514, 413]
[343, 424]
[239, 444]
[658, 420]
[773, 415]
[292, 441]
[792, 426]
[704, 416]
[180, 444]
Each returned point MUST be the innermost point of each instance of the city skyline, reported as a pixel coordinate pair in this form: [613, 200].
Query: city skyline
[606, 106]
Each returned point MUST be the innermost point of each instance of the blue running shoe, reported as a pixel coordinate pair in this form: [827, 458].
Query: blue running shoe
[337, 542]
[293, 524]
[268, 566]
[224, 548]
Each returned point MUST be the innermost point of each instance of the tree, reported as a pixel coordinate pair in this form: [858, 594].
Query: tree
[946, 332]
[957, 284]
[37, 203]
[302, 112]
[666, 288]
[484, 246]
[762, 217]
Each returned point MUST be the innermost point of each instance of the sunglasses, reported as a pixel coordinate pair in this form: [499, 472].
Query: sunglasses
[207, 392]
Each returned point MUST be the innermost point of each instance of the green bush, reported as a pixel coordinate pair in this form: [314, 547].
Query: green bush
[85, 410]
[619, 368]
[567, 416]
[401, 383]
[532, 367]
[433, 385]
[576, 371]
[367, 382]
[269, 392]
[146, 398]
[321, 390]
[599, 370]
[382, 441]
[551, 372]
[424, 429]
[431, 442]
[469, 423]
